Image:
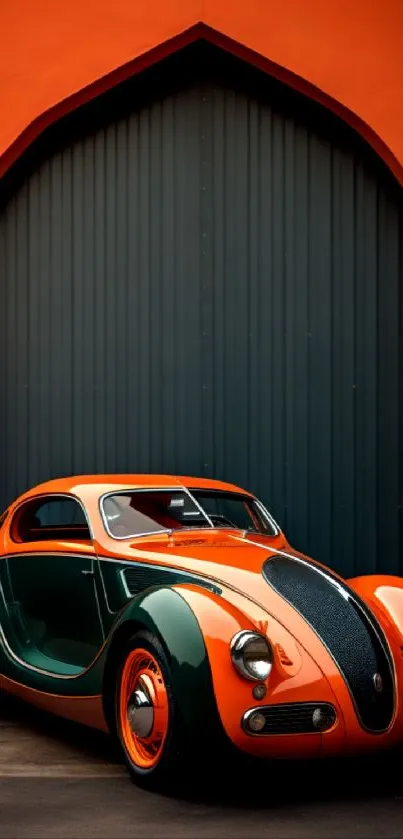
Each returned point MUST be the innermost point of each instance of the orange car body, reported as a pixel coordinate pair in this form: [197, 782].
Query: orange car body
[305, 669]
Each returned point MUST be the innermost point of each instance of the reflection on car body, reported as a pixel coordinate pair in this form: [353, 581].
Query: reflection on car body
[173, 613]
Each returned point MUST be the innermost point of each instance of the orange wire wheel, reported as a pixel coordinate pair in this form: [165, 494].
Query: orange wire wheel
[143, 709]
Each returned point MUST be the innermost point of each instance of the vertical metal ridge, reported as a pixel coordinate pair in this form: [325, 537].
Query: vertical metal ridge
[343, 378]
[365, 385]
[299, 341]
[253, 287]
[388, 381]
[319, 385]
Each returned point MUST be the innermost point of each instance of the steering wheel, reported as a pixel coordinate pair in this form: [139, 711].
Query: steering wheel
[223, 521]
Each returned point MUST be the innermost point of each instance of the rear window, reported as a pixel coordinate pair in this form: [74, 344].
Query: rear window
[50, 518]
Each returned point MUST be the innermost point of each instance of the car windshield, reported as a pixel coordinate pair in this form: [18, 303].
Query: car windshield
[235, 511]
[144, 512]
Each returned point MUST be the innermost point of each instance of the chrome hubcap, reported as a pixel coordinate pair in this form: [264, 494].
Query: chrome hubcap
[140, 710]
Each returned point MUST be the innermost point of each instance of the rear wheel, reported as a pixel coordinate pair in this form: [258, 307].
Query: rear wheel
[148, 722]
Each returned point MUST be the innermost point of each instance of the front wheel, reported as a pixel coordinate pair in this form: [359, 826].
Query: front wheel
[148, 722]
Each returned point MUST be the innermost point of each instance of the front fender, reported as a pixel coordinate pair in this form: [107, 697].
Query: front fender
[166, 614]
[384, 595]
[196, 627]
[294, 677]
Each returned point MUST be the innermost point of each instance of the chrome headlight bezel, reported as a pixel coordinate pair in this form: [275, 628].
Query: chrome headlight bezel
[239, 646]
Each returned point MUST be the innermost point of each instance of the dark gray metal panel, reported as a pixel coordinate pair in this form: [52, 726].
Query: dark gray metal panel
[210, 286]
[343, 331]
[365, 384]
[389, 279]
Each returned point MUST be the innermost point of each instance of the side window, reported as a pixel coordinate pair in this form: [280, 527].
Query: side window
[50, 518]
[59, 512]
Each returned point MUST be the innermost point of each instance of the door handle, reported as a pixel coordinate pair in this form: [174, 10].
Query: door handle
[86, 573]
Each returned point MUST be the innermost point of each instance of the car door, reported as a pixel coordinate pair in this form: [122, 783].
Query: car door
[49, 585]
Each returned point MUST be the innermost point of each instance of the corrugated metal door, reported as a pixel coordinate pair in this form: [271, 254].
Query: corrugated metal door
[208, 286]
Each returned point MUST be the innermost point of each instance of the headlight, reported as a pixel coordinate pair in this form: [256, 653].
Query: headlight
[251, 655]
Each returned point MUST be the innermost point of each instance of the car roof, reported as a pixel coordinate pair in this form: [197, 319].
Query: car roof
[111, 482]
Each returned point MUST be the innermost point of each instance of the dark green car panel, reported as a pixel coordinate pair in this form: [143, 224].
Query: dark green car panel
[166, 614]
[61, 628]
[53, 605]
[121, 581]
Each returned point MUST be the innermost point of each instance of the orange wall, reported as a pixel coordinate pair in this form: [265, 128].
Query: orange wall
[350, 49]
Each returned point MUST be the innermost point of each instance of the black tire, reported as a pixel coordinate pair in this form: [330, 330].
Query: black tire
[168, 774]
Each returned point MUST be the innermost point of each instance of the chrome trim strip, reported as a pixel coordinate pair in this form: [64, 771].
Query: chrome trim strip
[124, 561]
[110, 611]
[262, 508]
[125, 586]
[203, 512]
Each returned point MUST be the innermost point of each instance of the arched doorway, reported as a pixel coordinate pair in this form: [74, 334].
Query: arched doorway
[201, 273]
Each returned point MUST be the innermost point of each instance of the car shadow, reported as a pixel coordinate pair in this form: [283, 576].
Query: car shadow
[90, 744]
[242, 783]
[262, 784]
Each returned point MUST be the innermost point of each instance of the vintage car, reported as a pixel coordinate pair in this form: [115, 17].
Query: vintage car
[173, 613]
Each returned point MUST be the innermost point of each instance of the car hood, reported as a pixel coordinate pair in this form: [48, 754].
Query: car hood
[229, 559]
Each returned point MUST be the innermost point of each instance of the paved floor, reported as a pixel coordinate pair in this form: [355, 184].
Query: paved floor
[58, 780]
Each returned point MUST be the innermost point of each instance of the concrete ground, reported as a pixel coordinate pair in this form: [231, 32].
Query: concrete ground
[58, 780]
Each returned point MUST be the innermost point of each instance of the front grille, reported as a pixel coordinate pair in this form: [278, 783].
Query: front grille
[293, 718]
[140, 577]
[346, 627]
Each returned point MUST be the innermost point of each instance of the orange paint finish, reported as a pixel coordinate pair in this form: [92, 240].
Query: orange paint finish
[87, 710]
[347, 55]
[384, 595]
[234, 693]
[244, 590]
[88, 489]
[51, 51]
[303, 668]
[315, 678]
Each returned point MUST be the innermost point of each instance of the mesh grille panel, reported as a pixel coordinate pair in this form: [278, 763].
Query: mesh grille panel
[348, 630]
[142, 577]
[296, 718]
